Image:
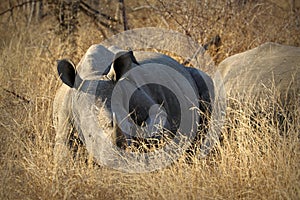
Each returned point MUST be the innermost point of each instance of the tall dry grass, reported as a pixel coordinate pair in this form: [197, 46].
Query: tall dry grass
[258, 157]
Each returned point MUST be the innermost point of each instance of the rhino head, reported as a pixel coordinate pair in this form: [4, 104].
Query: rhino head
[92, 83]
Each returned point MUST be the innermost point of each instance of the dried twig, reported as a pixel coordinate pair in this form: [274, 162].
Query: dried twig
[93, 12]
[172, 16]
[19, 5]
[125, 23]
[17, 95]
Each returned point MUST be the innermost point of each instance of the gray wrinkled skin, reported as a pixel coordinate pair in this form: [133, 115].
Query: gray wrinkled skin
[92, 84]
[268, 66]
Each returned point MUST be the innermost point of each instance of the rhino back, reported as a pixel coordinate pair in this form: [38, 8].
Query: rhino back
[268, 66]
[198, 79]
[153, 57]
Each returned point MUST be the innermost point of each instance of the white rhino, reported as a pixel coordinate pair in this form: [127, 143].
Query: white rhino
[265, 68]
[88, 89]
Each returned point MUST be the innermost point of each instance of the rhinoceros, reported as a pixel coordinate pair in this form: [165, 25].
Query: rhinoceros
[92, 98]
[265, 68]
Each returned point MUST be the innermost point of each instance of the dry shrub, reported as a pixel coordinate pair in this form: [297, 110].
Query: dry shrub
[257, 158]
[242, 25]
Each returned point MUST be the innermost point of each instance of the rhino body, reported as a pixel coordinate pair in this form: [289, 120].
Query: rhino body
[92, 84]
[265, 68]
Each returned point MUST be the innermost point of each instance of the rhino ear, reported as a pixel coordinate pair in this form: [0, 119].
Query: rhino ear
[121, 65]
[66, 71]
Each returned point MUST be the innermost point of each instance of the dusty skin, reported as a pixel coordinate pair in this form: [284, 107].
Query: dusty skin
[100, 73]
[269, 66]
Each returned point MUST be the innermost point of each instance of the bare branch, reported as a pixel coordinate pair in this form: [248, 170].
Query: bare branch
[19, 5]
[87, 8]
[125, 23]
[93, 15]
[17, 95]
[165, 8]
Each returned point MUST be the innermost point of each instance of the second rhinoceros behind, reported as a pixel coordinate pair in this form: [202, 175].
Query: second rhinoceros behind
[88, 96]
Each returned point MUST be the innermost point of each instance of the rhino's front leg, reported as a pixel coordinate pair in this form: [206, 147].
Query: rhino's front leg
[62, 123]
[61, 149]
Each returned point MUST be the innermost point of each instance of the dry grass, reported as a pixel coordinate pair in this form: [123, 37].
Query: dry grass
[258, 157]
